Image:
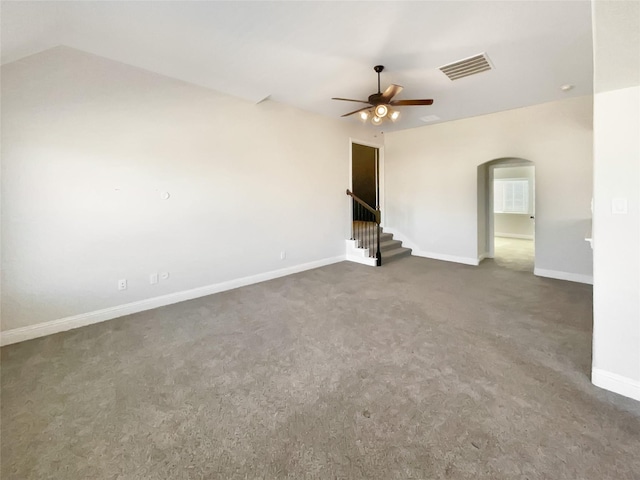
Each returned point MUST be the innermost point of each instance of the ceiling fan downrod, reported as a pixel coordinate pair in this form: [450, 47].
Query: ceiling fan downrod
[378, 69]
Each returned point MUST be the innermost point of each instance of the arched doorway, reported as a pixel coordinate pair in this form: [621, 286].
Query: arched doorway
[506, 213]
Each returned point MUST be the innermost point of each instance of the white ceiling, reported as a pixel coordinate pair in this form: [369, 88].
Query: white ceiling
[303, 53]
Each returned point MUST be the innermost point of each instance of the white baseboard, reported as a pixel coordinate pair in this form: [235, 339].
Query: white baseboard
[571, 277]
[435, 256]
[446, 258]
[359, 255]
[514, 235]
[616, 383]
[372, 262]
[68, 323]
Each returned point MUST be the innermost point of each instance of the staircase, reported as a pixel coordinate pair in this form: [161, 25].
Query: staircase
[391, 249]
[369, 244]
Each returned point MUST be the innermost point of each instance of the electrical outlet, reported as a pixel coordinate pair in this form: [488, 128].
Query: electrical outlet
[164, 276]
[283, 255]
[122, 284]
[153, 278]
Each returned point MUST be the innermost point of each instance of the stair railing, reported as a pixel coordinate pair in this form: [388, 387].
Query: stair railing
[365, 226]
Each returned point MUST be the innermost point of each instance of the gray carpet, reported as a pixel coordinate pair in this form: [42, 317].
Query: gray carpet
[514, 253]
[417, 370]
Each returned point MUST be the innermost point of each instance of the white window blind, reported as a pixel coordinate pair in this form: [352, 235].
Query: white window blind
[511, 195]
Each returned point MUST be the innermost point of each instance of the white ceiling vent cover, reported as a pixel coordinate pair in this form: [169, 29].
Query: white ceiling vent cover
[430, 118]
[468, 66]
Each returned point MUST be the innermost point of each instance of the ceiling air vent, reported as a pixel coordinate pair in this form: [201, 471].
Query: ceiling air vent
[430, 118]
[468, 66]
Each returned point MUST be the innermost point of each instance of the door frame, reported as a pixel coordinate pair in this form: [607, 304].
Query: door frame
[489, 213]
[380, 149]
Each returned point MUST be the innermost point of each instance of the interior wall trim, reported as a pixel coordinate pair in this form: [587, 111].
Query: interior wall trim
[417, 252]
[616, 383]
[446, 258]
[558, 275]
[30, 332]
[359, 255]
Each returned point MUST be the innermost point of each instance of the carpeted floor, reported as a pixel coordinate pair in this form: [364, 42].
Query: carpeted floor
[514, 253]
[417, 370]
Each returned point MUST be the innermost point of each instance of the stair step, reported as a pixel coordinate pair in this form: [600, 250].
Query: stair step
[384, 245]
[384, 237]
[389, 245]
[390, 249]
[364, 239]
[395, 254]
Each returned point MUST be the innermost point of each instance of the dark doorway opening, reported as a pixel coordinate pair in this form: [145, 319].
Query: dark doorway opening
[365, 179]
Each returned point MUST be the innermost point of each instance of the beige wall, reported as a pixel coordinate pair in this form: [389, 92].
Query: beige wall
[616, 236]
[432, 182]
[513, 225]
[88, 148]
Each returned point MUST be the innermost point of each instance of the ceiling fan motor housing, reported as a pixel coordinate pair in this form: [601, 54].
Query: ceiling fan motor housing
[374, 99]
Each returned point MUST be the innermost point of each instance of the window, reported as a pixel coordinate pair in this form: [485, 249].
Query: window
[511, 195]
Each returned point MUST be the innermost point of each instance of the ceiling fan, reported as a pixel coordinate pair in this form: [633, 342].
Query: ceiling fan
[379, 104]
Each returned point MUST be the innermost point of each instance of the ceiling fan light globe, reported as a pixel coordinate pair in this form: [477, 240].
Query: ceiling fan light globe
[381, 111]
[376, 120]
[395, 115]
[364, 115]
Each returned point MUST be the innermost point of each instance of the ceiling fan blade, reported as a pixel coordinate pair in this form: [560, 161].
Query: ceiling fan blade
[357, 111]
[400, 103]
[390, 92]
[350, 100]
